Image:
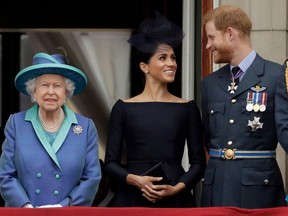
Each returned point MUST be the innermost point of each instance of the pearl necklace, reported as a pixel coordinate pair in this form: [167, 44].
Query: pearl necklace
[55, 127]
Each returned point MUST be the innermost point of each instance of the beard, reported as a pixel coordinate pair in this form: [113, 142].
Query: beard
[222, 54]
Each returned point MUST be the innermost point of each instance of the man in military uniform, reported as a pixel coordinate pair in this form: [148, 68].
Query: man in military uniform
[238, 115]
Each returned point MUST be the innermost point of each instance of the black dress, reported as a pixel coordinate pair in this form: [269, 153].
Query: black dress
[147, 133]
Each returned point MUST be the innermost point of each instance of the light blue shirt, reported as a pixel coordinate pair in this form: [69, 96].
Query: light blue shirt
[245, 63]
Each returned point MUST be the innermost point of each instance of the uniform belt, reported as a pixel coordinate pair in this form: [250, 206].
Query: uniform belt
[235, 154]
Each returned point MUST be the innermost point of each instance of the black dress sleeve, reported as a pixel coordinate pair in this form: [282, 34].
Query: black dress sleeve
[114, 146]
[195, 144]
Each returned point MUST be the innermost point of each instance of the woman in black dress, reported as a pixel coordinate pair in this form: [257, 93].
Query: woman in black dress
[152, 128]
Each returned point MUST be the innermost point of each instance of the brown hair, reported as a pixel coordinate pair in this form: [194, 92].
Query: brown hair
[229, 16]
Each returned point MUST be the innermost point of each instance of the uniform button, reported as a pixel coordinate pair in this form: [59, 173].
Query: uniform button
[202, 179]
[229, 142]
[233, 101]
[57, 176]
[231, 121]
[266, 181]
[212, 112]
[39, 175]
[37, 191]
[56, 192]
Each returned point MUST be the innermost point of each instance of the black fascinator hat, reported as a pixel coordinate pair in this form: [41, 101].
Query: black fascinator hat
[153, 32]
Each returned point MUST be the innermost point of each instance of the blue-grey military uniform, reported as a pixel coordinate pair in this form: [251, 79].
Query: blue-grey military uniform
[241, 138]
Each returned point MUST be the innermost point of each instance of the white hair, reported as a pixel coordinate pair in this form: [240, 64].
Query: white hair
[31, 85]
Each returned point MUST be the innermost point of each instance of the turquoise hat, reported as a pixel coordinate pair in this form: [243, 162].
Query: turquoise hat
[50, 64]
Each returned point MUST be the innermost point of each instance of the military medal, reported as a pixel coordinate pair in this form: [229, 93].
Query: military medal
[249, 106]
[255, 124]
[262, 107]
[256, 106]
[238, 72]
[233, 87]
[263, 102]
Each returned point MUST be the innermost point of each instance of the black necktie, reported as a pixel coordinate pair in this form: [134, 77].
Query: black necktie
[235, 70]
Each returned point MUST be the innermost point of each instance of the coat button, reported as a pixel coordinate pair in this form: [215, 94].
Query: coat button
[231, 121]
[38, 191]
[39, 175]
[55, 192]
[57, 176]
[212, 112]
[266, 181]
[229, 142]
[233, 101]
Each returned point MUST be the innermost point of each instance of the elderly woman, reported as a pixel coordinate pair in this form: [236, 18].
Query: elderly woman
[50, 154]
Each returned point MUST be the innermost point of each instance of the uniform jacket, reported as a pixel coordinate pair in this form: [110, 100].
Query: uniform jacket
[247, 183]
[33, 171]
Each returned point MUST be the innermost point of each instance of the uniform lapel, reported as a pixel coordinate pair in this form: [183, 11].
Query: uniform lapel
[225, 78]
[252, 76]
